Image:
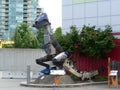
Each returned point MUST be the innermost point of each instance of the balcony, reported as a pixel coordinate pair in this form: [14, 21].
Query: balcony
[24, 10]
[26, 16]
[6, 25]
[6, 0]
[3, 28]
[27, 19]
[27, 3]
[3, 2]
[25, 13]
[6, 4]
[4, 7]
[3, 15]
[26, 0]
[6, 21]
[27, 7]
[7, 7]
[3, 10]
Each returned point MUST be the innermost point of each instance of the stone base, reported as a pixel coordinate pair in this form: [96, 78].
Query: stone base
[49, 79]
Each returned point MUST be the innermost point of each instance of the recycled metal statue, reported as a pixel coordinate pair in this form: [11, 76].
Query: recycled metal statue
[60, 57]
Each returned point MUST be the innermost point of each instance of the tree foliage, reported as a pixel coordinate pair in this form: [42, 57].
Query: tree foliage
[39, 36]
[17, 39]
[24, 38]
[68, 40]
[92, 41]
[96, 42]
[58, 33]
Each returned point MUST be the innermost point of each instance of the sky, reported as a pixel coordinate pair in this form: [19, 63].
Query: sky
[53, 8]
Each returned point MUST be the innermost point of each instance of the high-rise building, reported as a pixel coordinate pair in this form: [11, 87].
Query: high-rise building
[91, 12]
[14, 12]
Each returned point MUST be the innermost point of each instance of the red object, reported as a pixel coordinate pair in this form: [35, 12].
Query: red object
[115, 54]
[85, 63]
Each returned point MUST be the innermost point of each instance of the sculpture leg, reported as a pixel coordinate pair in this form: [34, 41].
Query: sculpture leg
[46, 58]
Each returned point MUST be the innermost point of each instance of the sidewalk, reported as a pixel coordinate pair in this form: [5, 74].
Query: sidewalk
[14, 84]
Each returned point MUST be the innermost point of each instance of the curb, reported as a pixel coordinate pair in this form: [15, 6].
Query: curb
[62, 85]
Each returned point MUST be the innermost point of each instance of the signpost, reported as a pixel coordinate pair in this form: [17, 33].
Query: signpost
[57, 74]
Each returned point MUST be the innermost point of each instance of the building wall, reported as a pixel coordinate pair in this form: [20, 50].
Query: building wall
[14, 12]
[18, 59]
[91, 12]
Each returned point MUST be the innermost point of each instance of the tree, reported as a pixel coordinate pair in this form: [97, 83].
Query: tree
[58, 32]
[39, 36]
[36, 43]
[17, 39]
[95, 42]
[27, 39]
[68, 40]
[24, 38]
[92, 41]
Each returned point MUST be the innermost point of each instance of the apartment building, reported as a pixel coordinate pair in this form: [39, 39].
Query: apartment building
[14, 12]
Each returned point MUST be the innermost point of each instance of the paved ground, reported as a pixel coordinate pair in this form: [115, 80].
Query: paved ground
[14, 84]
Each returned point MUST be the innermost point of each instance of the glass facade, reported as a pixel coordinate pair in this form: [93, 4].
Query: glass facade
[91, 12]
[14, 12]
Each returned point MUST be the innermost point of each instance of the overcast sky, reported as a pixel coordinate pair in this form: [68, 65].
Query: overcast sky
[53, 9]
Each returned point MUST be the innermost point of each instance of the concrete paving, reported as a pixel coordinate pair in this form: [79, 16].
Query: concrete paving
[14, 84]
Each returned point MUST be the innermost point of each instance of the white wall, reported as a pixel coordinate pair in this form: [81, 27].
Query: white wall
[18, 59]
[93, 12]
